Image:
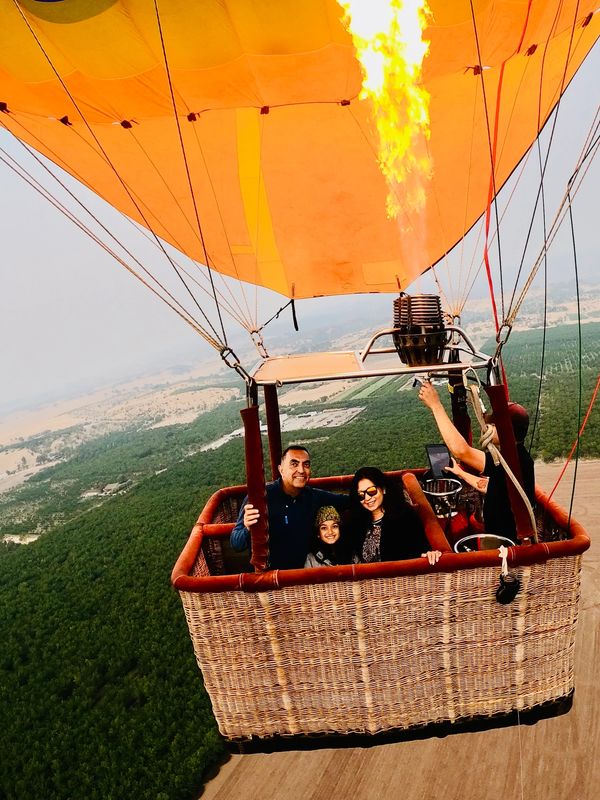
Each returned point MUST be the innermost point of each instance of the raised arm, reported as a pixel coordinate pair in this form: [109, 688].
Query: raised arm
[455, 441]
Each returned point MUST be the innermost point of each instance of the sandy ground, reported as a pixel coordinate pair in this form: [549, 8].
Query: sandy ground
[10, 459]
[8, 482]
[556, 759]
[60, 415]
[153, 402]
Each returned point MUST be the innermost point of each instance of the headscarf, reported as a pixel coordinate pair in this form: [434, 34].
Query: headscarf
[325, 514]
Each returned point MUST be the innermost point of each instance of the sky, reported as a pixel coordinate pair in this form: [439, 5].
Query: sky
[71, 319]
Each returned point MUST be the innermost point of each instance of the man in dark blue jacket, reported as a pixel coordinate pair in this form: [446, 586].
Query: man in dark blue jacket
[292, 506]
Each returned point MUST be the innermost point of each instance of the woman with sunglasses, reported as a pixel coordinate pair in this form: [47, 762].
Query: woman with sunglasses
[383, 526]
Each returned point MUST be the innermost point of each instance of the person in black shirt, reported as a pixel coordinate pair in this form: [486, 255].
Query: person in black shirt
[291, 506]
[497, 513]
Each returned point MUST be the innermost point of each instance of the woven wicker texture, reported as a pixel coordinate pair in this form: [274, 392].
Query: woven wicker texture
[383, 654]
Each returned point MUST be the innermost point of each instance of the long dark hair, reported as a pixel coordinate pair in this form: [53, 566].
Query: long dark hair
[393, 499]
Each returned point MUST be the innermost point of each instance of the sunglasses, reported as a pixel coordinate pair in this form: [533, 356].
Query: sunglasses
[370, 492]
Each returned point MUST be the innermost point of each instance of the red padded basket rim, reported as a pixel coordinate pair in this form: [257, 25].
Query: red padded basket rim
[522, 555]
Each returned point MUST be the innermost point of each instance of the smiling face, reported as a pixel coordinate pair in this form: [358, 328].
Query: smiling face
[329, 531]
[371, 497]
[294, 471]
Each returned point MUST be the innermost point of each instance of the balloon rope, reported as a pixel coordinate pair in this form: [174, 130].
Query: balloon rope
[550, 140]
[541, 167]
[111, 165]
[187, 167]
[83, 227]
[578, 439]
[251, 322]
[231, 306]
[461, 294]
[492, 146]
[545, 318]
[164, 182]
[513, 191]
[580, 386]
[589, 152]
[32, 154]
[492, 193]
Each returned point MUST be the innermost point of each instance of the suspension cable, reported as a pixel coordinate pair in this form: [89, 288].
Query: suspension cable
[251, 322]
[187, 167]
[32, 154]
[492, 193]
[111, 164]
[555, 113]
[164, 182]
[545, 319]
[180, 311]
[541, 168]
[463, 285]
[579, 435]
[477, 272]
[579, 353]
[563, 209]
[589, 145]
[231, 306]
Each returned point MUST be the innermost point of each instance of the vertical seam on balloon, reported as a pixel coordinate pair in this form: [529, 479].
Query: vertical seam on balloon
[256, 206]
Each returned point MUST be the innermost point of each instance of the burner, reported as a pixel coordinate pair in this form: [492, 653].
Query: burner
[421, 336]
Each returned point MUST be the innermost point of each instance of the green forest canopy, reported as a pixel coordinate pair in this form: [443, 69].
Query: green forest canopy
[100, 696]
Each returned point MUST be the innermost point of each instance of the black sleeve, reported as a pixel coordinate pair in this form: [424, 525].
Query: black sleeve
[404, 537]
[421, 542]
[351, 534]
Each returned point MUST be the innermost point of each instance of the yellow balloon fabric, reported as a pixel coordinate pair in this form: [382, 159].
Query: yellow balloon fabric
[281, 153]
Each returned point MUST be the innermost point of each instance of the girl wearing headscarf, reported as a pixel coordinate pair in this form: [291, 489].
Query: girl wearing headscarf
[327, 548]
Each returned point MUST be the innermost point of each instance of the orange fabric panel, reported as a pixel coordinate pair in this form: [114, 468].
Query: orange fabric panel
[292, 199]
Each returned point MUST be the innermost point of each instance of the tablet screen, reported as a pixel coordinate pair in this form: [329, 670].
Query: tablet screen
[439, 457]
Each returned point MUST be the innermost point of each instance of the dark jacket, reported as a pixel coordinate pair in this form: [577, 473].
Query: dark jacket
[291, 522]
[402, 534]
[497, 513]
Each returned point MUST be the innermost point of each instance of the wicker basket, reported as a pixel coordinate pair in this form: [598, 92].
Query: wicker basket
[374, 648]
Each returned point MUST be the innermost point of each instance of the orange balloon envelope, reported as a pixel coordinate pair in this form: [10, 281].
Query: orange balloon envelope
[280, 185]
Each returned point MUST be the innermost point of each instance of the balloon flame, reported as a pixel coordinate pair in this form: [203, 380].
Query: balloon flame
[388, 38]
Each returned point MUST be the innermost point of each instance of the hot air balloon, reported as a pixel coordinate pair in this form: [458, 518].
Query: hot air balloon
[243, 135]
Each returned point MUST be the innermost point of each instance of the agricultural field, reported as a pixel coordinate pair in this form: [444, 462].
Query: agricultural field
[378, 421]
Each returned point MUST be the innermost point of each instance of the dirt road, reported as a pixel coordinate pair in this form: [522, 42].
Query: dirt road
[556, 759]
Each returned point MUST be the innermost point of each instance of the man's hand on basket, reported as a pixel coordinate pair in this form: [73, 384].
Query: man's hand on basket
[251, 515]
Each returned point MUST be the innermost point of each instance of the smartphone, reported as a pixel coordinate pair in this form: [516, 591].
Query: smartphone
[439, 457]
